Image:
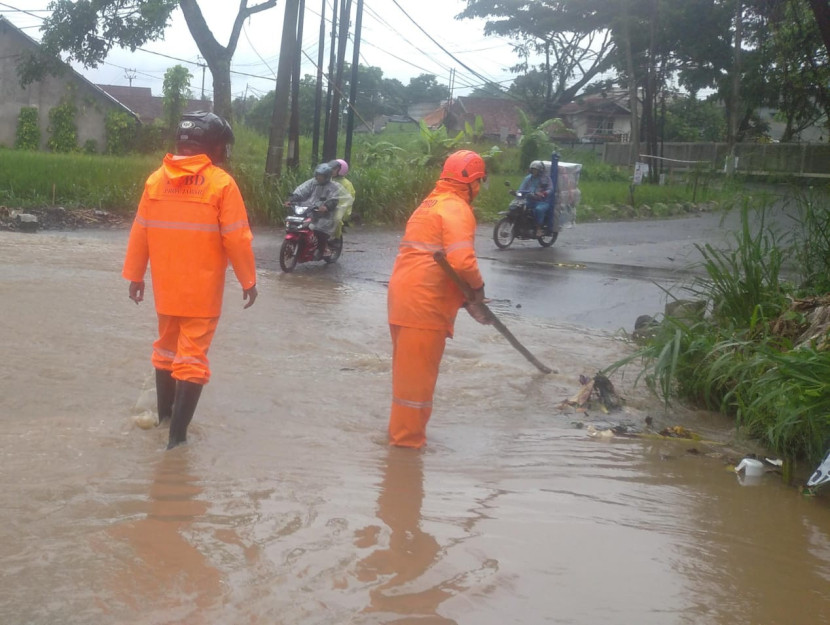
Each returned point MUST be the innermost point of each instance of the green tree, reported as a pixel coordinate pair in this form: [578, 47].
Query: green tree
[794, 66]
[572, 36]
[175, 94]
[86, 30]
[425, 88]
[376, 95]
[689, 119]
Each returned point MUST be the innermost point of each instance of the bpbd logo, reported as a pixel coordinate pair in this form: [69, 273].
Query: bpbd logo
[191, 180]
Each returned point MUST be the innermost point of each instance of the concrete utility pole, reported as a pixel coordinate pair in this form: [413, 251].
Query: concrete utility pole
[203, 66]
[293, 158]
[318, 92]
[347, 153]
[330, 77]
[276, 138]
[330, 146]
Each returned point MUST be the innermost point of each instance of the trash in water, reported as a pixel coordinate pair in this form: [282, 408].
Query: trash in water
[146, 420]
[678, 431]
[822, 473]
[750, 467]
[599, 385]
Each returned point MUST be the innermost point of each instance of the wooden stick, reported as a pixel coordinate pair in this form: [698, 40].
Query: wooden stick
[441, 259]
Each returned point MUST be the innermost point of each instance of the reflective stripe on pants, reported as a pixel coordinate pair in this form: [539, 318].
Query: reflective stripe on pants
[416, 358]
[183, 345]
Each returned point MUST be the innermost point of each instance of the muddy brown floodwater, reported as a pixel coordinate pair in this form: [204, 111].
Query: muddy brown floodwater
[288, 507]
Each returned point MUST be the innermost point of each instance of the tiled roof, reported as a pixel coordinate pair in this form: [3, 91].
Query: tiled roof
[147, 106]
[496, 113]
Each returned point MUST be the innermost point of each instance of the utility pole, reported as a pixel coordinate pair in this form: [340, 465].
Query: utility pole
[330, 146]
[330, 90]
[353, 82]
[203, 66]
[292, 160]
[129, 74]
[735, 95]
[276, 138]
[318, 92]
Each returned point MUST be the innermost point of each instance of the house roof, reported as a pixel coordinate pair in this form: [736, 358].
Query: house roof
[418, 110]
[435, 118]
[7, 27]
[594, 105]
[147, 106]
[496, 113]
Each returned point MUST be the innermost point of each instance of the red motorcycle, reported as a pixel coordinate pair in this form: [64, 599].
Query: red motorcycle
[301, 242]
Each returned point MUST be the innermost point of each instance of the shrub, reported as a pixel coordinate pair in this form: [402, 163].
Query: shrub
[63, 129]
[28, 130]
[121, 132]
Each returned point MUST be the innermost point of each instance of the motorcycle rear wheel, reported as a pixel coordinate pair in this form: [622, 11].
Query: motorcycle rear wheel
[288, 255]
[336, 247]
[546, 240]
[503, 233]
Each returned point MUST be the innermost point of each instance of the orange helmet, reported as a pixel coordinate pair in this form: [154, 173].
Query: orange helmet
[464, 166]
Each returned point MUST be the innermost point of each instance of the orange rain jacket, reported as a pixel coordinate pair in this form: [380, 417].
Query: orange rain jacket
[421, 295]
[190, 221]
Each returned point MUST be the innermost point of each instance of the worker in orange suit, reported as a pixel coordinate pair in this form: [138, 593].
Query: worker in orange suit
[423, 301]
[190, 222]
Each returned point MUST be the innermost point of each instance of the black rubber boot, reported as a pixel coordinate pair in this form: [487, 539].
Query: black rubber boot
[165, 392]
[187, 396]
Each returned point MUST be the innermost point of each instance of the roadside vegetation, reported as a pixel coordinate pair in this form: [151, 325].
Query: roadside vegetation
[751, 338]
[391, 172]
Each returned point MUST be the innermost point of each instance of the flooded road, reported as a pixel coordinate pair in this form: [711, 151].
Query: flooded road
[288, 507]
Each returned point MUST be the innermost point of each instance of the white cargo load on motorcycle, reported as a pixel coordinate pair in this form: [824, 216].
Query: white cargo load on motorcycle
[568, 194]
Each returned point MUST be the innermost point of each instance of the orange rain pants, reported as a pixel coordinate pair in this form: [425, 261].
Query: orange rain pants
[416, 358]
[183, 345]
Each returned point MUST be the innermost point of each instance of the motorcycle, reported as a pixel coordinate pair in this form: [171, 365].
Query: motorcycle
[301, 242]
[519, 222]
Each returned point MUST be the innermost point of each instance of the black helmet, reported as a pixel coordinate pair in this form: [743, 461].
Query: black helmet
[204, 132]
[325, 170]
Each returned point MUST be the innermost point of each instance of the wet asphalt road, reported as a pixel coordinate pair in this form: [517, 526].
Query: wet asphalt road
[597, 275]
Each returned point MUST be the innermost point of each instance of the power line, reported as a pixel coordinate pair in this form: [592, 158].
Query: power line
[431, 38]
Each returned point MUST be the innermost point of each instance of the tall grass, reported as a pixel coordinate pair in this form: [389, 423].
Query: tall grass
[740, 358]
[73, 180]
[389, 171]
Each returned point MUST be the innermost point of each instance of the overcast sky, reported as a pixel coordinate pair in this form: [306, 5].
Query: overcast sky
[392, 39]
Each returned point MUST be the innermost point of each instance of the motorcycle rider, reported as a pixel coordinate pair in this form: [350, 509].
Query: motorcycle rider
[190, 221]
[344, 209]
[539, 186]
[322, 193]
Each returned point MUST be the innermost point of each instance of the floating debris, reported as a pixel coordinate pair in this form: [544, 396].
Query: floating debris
[601, 386]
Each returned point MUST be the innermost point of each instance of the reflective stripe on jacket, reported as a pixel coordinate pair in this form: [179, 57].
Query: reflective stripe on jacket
[421, 295]
[191, 220]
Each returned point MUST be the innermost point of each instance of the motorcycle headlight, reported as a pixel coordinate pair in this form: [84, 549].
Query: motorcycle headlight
[299, 210]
